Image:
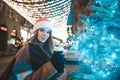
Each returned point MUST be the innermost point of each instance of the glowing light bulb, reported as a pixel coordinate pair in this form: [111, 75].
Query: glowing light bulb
[104, 75]
[90, 45]
[113, 55]
[113, 11]
[94, 70]
[108, 73]
[112, 36]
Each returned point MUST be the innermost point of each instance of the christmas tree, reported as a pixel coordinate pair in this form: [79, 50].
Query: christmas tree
[99, 46]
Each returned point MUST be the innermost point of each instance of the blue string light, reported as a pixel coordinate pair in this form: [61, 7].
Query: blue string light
[99, 46]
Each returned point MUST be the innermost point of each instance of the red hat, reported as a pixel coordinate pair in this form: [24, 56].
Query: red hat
[42, 23]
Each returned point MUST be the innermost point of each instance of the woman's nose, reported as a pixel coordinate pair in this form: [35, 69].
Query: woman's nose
[45, 33]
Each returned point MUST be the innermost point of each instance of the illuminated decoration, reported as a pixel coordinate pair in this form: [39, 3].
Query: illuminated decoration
[55, 10]
[3, 28]
[42, 8]
[99, 46]
[13, 33]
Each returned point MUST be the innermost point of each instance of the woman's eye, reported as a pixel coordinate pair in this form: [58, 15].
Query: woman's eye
[42, 30]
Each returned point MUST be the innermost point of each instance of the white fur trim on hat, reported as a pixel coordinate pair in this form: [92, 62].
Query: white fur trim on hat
[42, 24]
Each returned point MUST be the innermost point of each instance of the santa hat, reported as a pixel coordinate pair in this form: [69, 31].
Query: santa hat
[42, 23]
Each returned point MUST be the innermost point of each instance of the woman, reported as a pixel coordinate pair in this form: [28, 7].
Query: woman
[35, 60]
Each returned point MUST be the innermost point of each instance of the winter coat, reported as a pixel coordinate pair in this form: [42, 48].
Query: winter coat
[30, 66]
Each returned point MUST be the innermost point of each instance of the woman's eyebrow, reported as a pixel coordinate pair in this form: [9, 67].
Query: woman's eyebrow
[42, 29]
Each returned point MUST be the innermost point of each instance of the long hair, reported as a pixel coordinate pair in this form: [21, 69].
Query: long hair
[48, 45]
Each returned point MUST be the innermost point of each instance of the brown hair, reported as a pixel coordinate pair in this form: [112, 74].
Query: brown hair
[48, 45]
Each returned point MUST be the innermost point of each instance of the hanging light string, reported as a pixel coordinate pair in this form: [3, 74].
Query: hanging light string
[57, 9]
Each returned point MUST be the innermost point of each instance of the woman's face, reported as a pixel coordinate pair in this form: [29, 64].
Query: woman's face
[43, 34]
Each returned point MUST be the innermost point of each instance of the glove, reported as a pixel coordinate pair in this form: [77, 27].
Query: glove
[58, 61]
